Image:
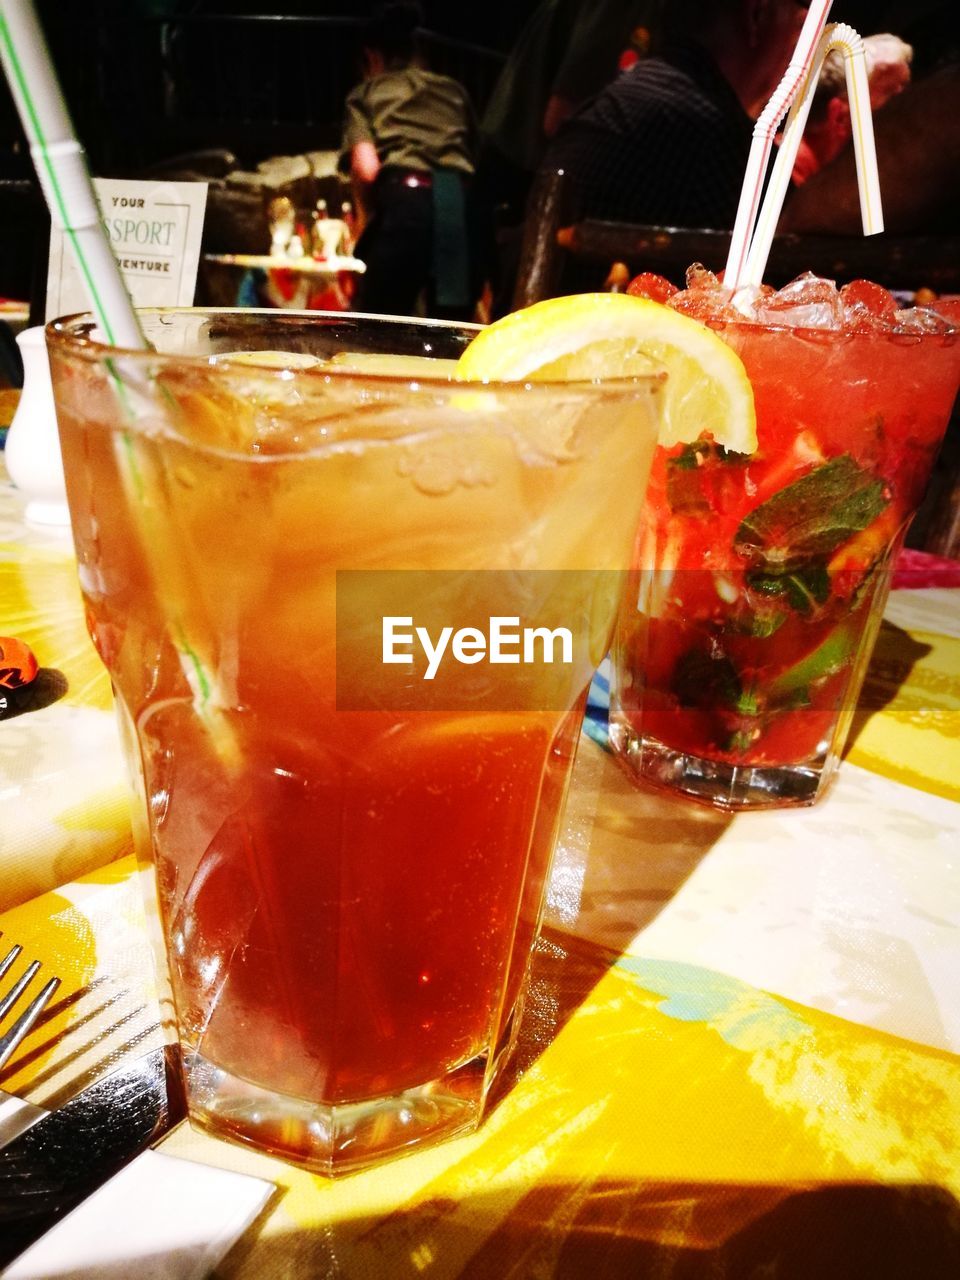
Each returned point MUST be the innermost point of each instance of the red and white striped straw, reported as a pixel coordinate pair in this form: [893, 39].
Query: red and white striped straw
[763, 135]
[848, 42]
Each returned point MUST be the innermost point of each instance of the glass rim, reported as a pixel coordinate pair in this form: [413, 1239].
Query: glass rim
[71, 334]
[822, 334]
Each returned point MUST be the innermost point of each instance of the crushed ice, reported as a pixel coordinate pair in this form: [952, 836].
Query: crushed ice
[809, 302]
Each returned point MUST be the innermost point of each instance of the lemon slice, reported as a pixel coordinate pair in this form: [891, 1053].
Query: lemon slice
[591, 336]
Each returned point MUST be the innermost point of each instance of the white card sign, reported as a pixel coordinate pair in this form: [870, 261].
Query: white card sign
[155, 230]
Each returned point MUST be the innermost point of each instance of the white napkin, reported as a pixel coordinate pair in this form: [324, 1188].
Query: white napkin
[17, 1116]
[160, 1218]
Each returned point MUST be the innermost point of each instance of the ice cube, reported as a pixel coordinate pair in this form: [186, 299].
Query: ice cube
[704, 298]
[747, 299]
[267, 359]
[702, 306]
[394, 366]
[817, 315]
[806, 290]
[922, 320]
[812, 315]
[809, 302]
[698, 277]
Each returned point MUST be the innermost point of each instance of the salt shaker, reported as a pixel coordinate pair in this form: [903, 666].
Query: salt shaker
[33, 445]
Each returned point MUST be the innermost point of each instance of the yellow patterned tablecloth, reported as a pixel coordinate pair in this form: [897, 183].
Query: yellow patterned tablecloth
[741, 1056]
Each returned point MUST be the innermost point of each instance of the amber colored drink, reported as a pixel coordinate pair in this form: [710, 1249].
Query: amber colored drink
[744, 639]
[348, 888]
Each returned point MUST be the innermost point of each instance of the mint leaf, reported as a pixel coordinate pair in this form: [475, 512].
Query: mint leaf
[739, 743]
[809, 588]
[685, 493]
[692, 474]
[803, 589]
[701, 452]
[690, 457]
[810, 518]
[748, 703]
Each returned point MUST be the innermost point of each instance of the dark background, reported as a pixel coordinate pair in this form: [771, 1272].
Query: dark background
[148, 79]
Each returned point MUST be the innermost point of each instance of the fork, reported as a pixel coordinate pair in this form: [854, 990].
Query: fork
[19, 1028]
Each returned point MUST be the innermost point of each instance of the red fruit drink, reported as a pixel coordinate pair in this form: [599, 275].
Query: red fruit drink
[761, 579]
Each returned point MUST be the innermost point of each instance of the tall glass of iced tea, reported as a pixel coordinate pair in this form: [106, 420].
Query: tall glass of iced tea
[761, 579]
[349, 810]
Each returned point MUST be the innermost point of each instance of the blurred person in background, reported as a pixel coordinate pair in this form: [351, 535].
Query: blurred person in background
[409, 145]
[828, 127]
[666, 142]
[918, 155]
[567, 52]
[931, 27]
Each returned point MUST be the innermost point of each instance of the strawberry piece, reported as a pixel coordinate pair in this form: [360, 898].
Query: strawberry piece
[649, 285]
[872, 298]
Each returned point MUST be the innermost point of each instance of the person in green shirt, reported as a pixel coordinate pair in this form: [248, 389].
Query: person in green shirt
[409, 145]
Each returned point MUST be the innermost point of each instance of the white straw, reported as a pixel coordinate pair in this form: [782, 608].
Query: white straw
[839, 36]
[62, 170]
[763, 134]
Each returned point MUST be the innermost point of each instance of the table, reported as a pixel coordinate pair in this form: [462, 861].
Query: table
[15, 314]
[304, 283]
[741, 1053]
[306, 265]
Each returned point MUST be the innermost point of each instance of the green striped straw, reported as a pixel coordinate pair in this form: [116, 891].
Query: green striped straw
[61, 166]
[62, 170]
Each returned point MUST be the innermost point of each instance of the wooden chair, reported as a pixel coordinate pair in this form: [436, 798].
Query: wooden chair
[553, 236]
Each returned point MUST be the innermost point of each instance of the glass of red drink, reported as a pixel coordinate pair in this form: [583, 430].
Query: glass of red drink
[760, 579]
[349, 857]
